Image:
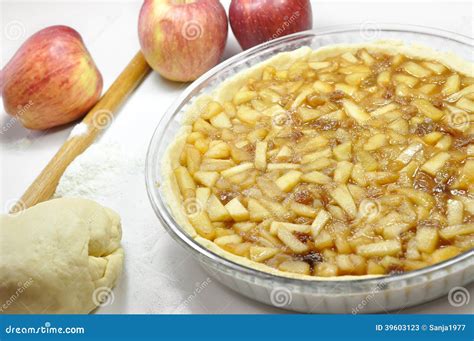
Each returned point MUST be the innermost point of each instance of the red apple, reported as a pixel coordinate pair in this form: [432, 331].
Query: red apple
[256, 21]
[51, 80]
[182, 39]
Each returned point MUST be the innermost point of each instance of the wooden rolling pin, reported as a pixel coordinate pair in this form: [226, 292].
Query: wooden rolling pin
[98, 119]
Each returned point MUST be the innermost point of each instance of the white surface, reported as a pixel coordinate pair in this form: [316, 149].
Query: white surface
[160, 277]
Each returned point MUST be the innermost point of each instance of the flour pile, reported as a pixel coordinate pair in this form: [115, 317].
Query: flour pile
[97, 173]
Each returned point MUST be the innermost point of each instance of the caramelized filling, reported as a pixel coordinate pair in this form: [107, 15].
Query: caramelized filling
[358, 164]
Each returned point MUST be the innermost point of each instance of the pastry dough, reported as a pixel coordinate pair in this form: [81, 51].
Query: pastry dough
[54, 255]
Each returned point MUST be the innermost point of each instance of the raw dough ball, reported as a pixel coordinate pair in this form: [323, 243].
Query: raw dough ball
[55, 254]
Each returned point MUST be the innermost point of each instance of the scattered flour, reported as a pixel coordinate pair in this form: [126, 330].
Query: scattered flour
[97, 173]
[18, 145]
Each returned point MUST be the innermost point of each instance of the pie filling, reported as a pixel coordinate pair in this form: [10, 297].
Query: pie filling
[357, 164]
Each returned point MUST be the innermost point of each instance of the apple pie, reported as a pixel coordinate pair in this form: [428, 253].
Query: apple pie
[351, 160]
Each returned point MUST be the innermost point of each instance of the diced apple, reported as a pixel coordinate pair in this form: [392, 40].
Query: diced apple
[418, 197]
[323, 87]
[221, 121]
[237, 211]
[380, 249]
[218, 150]
[248, 115]
[217, 211]
[231, 239]
[185, 182]
[433, 165]
[394, 230]
[260, 253]
[316, 178]
[407, 154]
[384, 78]
[203, 225]
[349, 90]
[256, 211]
[202, 196]
[209, 165]
[416, 70]
[405, 79]
[207, 179]
[243, 97]
[343, 171]
[307, 114]
[354, 111]
[289, 180]
[428, 109]
[243, 227]
[284, 154]
[276, 225]
[455, 212]
[342, 196]
[444, 143]
[375, 269]
[435, 67]
[465, 104]
[237, 169]
[427, 239]
[433, 137]
[270, 188]
[238, 154]
[349, 57]
[324, 240]
[319, 222]
[303, 210]
[318, 164]
[282, 166]
[291, 241]
[368, 162]
[213, 108]
[453, 231]
[375, 142]
[451, 85]
[444, 253]
[343, 152]
[261, 155]
[298, 267]
[400, 125]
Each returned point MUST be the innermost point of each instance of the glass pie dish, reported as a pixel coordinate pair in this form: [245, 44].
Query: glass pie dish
[337, 294]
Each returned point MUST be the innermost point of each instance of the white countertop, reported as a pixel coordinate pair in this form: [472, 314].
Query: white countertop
[159, 275]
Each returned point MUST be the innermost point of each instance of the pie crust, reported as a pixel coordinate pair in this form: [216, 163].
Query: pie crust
[225, 92]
